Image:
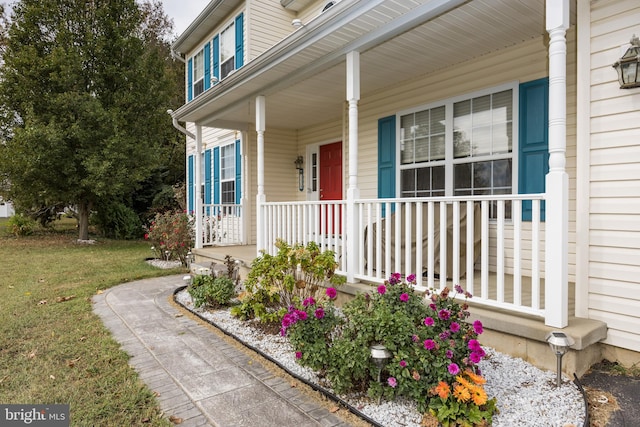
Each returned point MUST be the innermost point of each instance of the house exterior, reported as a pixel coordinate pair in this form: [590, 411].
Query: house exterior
[6, 208]
[481, 142]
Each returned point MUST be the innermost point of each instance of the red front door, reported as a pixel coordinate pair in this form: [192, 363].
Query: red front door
[331, 180]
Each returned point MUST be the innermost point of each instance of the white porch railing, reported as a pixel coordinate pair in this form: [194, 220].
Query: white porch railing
[222, 225]
[479, 242]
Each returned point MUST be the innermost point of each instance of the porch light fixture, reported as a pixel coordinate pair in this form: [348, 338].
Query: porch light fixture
[299, 162]
[297, 23]
[559, 343]
[628, 67]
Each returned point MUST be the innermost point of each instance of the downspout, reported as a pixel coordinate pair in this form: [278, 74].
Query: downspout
[178, 126]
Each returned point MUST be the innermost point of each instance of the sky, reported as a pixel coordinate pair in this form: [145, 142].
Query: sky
[183, 12]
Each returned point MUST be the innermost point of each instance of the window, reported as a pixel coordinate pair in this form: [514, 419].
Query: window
[462, 146]
[227, 50]
[228, 174]
[198, 73]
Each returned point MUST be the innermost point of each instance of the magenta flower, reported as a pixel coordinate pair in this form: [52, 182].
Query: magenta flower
[449, 354]
[455, 327]
[404, 297]
[429, 344]
[382, 289]
[453, 369]
[302, 315]
[444, 335]
[475, 357]
[428, 321]
[298, 355]
[392, 382]
[331, 293]
[477, 327]
[411, 278]
[395, 278]
[433, 307]
[444, 314]
[309, 301]
[403, 364]
[458, 289]
[319, 313]
[474, 345]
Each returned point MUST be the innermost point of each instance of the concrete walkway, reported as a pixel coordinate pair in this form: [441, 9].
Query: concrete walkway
[198, 375]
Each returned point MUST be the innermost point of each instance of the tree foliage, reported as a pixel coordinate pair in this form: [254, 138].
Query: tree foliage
[85, 87]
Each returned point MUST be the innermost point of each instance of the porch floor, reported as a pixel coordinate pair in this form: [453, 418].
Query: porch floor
[517, 334]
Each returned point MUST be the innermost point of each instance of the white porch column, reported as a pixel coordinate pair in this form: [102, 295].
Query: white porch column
[198, 183]
[557, 180]
[353, 192]
[260, 197]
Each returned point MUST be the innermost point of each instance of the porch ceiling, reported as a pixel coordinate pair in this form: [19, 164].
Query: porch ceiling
[304, 77]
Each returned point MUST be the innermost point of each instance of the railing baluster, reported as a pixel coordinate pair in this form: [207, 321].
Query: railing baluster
[535, 254]
[517, 252]
[500, 252]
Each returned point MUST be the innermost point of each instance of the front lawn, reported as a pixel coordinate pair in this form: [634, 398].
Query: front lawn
[53, 349]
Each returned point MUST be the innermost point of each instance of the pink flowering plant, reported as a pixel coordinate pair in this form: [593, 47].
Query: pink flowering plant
[428, 334]
[171, 235]
[309, 328]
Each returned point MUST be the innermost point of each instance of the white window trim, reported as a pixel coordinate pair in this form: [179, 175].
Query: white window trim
[449, 161]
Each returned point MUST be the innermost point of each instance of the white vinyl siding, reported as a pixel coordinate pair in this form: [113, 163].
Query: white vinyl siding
[614, 178]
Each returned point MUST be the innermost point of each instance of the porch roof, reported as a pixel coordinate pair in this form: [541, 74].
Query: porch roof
[304, 76]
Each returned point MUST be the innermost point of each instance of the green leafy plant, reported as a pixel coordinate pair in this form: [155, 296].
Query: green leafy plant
[211, 291]
[171, 235]
[20, 225]
[277, 282]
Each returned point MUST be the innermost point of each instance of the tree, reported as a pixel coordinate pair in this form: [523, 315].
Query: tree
[85, 100]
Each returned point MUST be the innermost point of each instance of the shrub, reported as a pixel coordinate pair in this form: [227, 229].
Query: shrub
[278, 282]
[212, 291]
[20, 225]
[171, 235]
[117, 221]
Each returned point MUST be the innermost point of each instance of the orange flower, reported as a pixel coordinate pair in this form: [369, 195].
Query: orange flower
[477, 379]
[478, 395]
[443, 390]
[461, 393]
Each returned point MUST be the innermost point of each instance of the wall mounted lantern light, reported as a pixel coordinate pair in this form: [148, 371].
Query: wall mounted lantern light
[628, 67]
[299, 162]
[559, 343]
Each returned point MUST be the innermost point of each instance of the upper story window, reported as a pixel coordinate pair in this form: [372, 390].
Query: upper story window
[462, 146]
[227, 50]
[218, 58]
[198, 73]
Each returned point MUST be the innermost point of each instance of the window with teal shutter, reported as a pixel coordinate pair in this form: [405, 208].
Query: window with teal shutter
[239, 41]
[387, 158]
[238, 173]
[216, 57]
[207, 66]
[533, 143]
[190, 195]
[190, 80]
[207, 179]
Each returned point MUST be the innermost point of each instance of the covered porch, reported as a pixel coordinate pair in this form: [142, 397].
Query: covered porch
[513, 267]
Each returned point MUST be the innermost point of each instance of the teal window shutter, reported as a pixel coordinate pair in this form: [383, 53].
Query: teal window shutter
[239, 41]
[207, 179]
[238, 173]
[216, 57]
[216, 175]
[533, 142]
[387, 158]
[207, 66]
[190, 80]
[190, 195]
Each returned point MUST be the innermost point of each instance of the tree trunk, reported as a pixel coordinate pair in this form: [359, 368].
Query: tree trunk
[83, 220]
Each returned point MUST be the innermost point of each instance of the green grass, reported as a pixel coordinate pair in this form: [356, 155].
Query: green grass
[60, 352]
